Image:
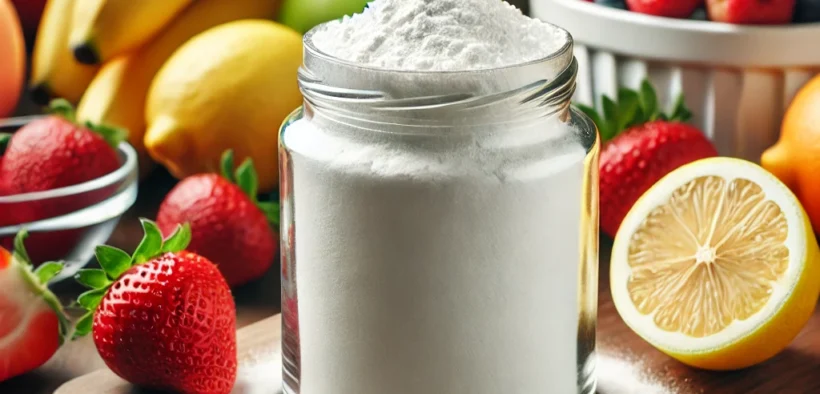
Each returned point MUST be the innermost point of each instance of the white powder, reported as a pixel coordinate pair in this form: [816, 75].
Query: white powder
[427, 272]
[623, 376]
[439, 35]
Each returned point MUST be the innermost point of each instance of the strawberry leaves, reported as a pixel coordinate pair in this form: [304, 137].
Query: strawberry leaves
[93, 278]
[112, 135]
[271, 211]
[179, 240]
[246, 178]
[63, 108]
[5, 138]
[47, 271]
[633, 108]
[38, 279]
[115, 262]
[151, 244]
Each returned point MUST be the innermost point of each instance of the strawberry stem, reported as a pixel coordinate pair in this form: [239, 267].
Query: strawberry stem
[115, 262]
[247, 179]
[112, 135]
[38, 281]
[632, 108]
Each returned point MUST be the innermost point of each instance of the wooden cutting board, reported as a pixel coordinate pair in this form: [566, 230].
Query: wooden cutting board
[260, 365]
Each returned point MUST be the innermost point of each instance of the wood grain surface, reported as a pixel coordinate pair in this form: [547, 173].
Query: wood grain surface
[627, 364]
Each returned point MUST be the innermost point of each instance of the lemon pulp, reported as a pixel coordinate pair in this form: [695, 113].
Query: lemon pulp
[716, 265]
[710, 256]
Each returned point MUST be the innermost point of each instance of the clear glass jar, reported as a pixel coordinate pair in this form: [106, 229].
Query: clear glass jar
[439, 231]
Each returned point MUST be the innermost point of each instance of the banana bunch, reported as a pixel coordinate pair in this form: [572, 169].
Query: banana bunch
[104, 54]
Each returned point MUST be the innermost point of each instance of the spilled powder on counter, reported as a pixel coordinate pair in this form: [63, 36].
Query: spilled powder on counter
[439, 35]
[620, 375]
[257, 375]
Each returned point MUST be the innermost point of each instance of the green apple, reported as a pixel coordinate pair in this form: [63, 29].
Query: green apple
[303, 15]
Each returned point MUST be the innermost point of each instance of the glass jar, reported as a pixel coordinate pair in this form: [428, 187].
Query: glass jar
[439, 231]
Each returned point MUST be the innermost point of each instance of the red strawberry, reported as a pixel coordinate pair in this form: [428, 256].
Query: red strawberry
[4, 141]
[32, 322]
[163, 318]
[229, 225]
[651, 146]
[751, 12]
[51, 153]
[668, 8]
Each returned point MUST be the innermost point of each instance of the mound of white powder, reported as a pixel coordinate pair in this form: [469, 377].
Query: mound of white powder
[439, 35]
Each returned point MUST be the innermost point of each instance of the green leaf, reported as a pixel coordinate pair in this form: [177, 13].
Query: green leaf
[84, 325]
[112, 135]
[62, 108]
[610, 116]
[47, 271]
[93, 278]
[5, 138]
[649, 101]
[151, 244]
[20, 247]
[179, 240]
[227, 165]
[112, 260]
[632, 108]
[271, 210]
[679, 112]
[628, 107]
[247, 179]
[90, 300]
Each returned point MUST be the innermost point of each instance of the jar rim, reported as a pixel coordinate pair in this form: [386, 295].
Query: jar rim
[310, 49]
[328, 73]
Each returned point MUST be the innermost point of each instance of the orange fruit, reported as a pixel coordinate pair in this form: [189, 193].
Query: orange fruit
[12, 58]
[795, 158]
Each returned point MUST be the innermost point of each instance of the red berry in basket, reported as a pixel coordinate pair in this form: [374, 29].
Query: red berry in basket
[229, 225]
[163, 318]
[667, 8]
[52, 153]
[641, 146]
[32, 322]
[751, 12]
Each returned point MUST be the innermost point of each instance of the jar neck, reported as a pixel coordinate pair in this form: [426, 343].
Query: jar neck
[412, 102]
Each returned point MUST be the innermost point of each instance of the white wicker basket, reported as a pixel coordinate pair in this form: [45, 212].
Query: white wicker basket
[738, 80]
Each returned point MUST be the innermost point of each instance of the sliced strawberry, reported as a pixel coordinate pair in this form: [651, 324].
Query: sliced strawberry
[32, 322]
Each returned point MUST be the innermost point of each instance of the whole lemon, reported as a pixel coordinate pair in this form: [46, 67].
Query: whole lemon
[795, 159]
[229, 87]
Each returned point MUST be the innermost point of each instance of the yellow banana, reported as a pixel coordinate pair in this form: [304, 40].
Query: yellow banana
[54, 71]
[103, 29]
[117, 95]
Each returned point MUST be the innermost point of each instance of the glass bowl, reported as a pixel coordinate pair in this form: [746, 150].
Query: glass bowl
[80, 217]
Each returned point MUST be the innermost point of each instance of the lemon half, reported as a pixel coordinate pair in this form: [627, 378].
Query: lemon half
[716, 265]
